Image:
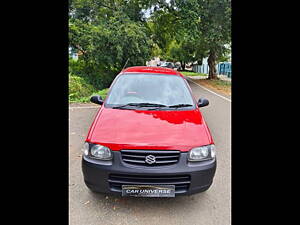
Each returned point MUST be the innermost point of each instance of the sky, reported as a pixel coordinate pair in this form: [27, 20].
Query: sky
[147, 12]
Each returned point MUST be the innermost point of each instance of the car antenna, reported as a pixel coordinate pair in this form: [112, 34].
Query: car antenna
[125, 64]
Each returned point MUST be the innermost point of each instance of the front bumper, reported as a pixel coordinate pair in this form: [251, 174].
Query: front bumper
[108, 176]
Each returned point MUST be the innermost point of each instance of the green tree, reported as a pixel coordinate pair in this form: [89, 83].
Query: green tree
[201, 28]
[107, 34]
[210, 21]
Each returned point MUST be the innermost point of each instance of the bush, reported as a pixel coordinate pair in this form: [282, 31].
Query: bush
[79, 88]
[86, 80]
[81, 91]
[92, 73]
[102, 93]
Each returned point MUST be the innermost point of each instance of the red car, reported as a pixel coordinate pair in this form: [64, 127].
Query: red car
[149, 137]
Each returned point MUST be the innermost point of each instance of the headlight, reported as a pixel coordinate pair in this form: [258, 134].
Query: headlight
[97, 151]
[202, 153]
[101, 152]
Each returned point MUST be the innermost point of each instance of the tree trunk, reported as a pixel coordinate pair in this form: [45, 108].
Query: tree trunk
[212, 66]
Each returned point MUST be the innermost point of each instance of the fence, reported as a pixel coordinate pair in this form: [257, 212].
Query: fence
[223, 68]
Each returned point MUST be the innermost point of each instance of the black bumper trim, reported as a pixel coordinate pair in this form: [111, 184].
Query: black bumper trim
[101, 177]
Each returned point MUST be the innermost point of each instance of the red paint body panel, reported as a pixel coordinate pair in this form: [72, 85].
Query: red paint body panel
[146, 69]
[136, 129]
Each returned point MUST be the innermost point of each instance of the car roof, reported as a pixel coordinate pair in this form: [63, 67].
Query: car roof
[151, 69]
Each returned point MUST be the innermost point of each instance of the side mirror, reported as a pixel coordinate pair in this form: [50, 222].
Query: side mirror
[96, 99]
[203, 102]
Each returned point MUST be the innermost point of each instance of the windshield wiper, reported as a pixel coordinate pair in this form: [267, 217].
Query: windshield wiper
[143, 104]
[180, 105]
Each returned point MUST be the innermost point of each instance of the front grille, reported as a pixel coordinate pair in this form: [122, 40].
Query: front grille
[181, 182]
[162, 157]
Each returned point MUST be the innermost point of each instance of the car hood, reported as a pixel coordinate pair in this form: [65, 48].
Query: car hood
[136, 129]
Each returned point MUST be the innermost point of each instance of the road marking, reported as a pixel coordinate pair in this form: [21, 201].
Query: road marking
[210, 91]
[85, 107]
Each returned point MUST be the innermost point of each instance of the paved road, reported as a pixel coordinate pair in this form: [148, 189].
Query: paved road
[209, 208]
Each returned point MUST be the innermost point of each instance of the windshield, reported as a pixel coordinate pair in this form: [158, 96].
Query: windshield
[167, 90]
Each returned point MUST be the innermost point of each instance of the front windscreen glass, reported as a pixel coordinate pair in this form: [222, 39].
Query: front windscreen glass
[168, 90]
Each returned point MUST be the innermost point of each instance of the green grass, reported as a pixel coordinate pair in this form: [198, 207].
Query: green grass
[221, 83]
[193, 74]
[217, 85]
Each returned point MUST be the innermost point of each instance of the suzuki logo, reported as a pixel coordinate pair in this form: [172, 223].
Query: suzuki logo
[150, 159]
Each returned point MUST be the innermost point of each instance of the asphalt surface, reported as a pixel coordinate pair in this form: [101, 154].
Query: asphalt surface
[212, 207]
